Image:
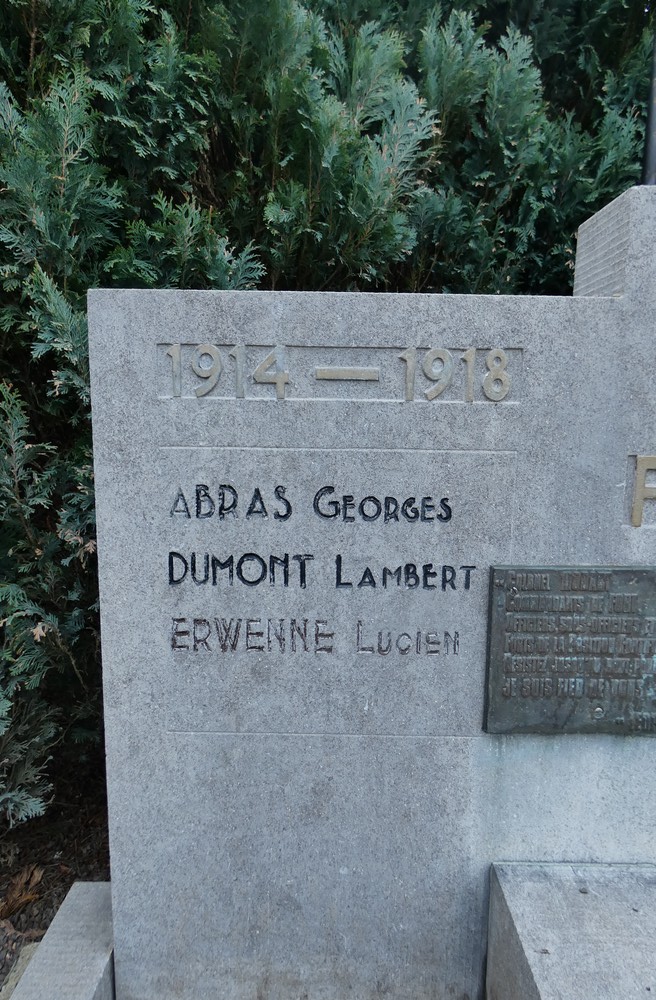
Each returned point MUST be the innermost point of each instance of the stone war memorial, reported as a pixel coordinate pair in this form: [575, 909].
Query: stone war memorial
[378, 595]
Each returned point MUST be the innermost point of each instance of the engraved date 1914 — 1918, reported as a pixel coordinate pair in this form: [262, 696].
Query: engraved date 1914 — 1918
[428, 372]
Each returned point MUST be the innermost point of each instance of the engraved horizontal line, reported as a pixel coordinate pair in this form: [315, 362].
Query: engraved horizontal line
[268, 447]
[344, 399]
[348, 374]
[313, 735]
[345, 347]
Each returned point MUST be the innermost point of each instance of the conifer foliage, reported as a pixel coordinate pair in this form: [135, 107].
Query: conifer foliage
[400, 145]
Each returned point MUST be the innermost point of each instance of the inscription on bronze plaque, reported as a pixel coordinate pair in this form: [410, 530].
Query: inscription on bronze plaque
[572, 650]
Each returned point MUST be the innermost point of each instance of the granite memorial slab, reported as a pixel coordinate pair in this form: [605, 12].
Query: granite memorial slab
[299, 498]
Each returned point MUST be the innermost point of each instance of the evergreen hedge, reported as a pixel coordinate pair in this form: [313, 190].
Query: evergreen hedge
[324, 144]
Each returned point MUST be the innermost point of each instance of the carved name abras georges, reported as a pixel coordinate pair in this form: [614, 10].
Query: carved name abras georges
[203, 502]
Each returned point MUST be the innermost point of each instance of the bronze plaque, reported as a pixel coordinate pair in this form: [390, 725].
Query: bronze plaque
[572, 650]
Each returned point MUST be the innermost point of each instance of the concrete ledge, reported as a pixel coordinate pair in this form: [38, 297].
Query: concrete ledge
[74, 961]
[572, 932]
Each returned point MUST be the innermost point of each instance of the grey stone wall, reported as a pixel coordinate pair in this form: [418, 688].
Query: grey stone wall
[317, 821]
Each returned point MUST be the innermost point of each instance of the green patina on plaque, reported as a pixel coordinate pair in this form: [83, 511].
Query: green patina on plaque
[572, 650]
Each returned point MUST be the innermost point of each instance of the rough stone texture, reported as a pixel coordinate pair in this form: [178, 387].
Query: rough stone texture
[574, 931]
[74, 959]
[289, 825]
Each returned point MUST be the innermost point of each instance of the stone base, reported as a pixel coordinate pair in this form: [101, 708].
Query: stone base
[555, 930]
[74, 961]
[572, 931]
